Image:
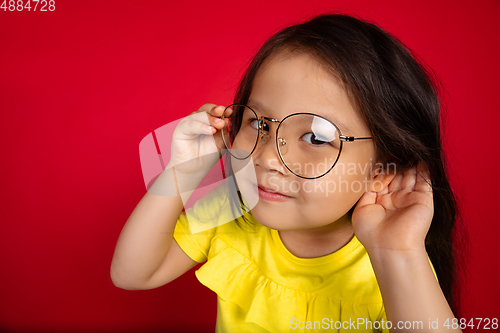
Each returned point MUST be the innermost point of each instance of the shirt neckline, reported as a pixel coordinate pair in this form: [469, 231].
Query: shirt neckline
[335, 256]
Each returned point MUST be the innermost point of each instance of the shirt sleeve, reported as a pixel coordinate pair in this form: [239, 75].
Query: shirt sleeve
[198, 225]
[382, 319]
[432, 267]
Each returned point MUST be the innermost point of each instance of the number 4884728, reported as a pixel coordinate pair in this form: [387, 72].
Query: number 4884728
[473, 323]
[28, 5]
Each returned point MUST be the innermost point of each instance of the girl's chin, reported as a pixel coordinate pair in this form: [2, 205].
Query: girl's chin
[274, 220]
[287, 220]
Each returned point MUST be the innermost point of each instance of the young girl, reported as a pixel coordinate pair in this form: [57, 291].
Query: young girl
[342, 127]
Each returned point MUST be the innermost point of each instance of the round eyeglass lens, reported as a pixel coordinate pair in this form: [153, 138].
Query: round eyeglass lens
[309, 145]
[241, 132]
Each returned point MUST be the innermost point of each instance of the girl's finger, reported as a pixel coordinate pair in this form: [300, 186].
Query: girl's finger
[215, 116]
[409, 179]
[368, 198]
[218, 110]
[228, 112]
[201, 116]
[423, 181]
[206, 118]
[385, 190]
[216, 122]
[395, 184]
[195, 128]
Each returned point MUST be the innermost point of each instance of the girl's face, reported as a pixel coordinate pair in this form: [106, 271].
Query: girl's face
[292, 83]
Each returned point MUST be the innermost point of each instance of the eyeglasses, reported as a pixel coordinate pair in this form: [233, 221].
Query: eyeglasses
[309, 145]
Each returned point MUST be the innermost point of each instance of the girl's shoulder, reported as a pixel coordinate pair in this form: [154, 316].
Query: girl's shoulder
[218, 215]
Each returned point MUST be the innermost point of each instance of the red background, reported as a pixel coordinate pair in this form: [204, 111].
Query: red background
[81, 86]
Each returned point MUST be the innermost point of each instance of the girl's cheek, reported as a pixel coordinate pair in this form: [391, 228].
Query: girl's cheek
[321, 187]
[334, 186]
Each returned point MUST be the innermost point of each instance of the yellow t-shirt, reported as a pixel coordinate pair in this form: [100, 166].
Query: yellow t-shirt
[262, 287]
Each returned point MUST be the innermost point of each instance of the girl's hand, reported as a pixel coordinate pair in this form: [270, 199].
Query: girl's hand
[197, 140]
[398, 217]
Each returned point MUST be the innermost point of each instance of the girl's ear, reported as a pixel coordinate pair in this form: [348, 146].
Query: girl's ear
[381, 179]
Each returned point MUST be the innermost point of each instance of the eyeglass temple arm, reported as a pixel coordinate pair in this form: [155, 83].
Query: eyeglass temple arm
[351, 138]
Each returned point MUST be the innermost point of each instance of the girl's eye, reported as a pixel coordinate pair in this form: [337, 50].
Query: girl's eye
[265, 127]
[254, 123]
[312, 139]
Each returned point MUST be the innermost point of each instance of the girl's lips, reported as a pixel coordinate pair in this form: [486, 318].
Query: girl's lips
[269, 195]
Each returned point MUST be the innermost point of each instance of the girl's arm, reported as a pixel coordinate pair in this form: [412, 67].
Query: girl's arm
[411, 292]
[145, 256]
[392, 225]
[144, 244]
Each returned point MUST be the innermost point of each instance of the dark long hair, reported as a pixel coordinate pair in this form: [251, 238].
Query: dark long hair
[397, 96]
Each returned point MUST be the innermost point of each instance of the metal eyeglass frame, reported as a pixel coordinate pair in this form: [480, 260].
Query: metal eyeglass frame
[342, 138]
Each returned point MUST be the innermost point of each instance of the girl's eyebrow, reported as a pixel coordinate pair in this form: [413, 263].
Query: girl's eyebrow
[258, 106]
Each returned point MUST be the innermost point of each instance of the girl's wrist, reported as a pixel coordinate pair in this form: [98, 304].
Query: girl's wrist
[384, 256]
